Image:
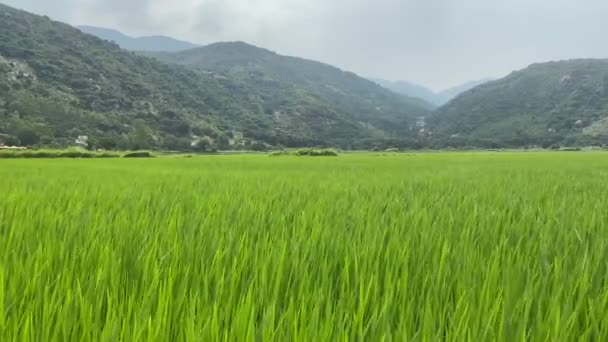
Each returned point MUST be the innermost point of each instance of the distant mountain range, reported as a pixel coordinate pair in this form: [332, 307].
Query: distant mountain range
[436, 98]
[149, 43]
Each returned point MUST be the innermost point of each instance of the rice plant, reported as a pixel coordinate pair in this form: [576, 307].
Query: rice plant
[416, 247]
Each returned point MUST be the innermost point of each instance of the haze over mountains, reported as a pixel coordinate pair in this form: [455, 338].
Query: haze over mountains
[150, 43]
[57, 83]
[422, 92]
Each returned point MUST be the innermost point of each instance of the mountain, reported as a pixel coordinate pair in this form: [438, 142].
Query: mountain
[58, 83]
[149, 43]
[418, 91]
[447, 95]
[546, 104]
[267, 74]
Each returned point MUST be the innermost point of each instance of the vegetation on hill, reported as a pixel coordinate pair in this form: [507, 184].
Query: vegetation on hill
[58, 83]
[276, 79]
[549, 104]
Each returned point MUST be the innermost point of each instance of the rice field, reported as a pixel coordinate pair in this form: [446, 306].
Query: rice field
[409, 247]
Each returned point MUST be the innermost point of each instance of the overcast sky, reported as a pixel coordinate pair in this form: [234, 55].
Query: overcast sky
[438, 43]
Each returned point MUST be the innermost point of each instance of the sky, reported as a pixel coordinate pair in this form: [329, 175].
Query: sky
[437, 43]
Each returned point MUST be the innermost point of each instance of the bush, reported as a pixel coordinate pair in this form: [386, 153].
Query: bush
[279, 153]
[28, 154]
[311, 152]
[141, 154]
[107, 155]
[107, 143]
[307, 152]
[55, 154]
[76, 154]
[40, 154]
[323, 153]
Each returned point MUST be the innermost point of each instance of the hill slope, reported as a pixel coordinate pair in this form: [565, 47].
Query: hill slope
[447, 95]
[58, 83]
[150, 43]
[551, 103]
[268, 74]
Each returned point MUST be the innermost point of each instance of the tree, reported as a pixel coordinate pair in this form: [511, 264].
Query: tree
[142, 136]
[204, 144]
[9, 140]
[106, 143]
[174, 143]
[28, 136]
[257, 146]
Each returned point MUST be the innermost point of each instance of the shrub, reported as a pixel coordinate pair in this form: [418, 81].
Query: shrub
[311, 152]
[107, 155]
[76, 154]
[40, 154]
[279, 153]
[140, 154]
[308, 152]
[55, 154]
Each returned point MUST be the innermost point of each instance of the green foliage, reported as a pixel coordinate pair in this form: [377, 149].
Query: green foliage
[425, 247]
[280, 153]
[173, 143]
[309, 152]
[543, 105]
[28, 154]
[314, 96]
[204, 144]
[139, 154]
[142, 137]
[28, 136]
[312, 152]
[68, 84]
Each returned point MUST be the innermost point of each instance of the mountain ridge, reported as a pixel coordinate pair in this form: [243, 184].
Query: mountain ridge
[144, 43]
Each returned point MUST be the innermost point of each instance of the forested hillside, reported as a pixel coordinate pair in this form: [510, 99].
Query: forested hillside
[549, 104]
[58, 83]
[274, 78]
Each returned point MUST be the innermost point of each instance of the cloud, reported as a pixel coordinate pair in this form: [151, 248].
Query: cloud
[437, 42]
